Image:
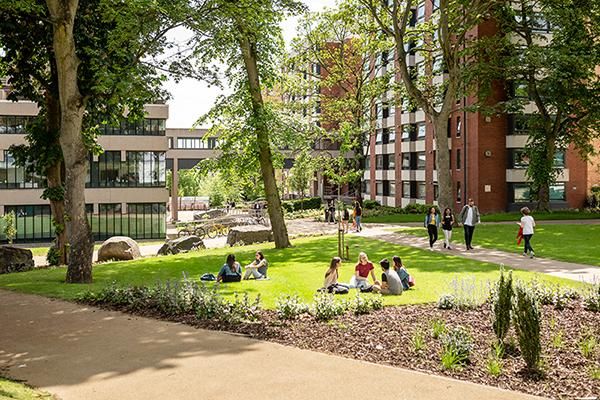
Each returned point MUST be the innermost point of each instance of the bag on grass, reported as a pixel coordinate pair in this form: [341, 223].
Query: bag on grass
[208, 277]
[338, 289]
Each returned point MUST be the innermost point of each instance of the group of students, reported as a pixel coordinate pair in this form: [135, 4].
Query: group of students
[469, 217]
[394, 278]
[231, 271]
[346, 217]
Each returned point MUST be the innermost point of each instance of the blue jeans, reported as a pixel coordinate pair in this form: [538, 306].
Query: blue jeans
[357, 219]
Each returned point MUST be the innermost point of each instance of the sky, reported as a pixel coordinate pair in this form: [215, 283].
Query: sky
[191, 98]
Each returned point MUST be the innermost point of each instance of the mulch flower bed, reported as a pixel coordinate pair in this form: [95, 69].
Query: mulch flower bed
[385, 337]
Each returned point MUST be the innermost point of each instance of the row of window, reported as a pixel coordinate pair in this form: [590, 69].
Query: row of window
[518, 159]
[194, 143]
[15, 125]
[142, 221]
[138, 169]
[521, 192]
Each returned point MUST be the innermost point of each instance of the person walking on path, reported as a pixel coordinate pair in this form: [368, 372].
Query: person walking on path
[527, 225]
[447, 222]
[469, 217]
[432, 221]
[345, 219]
[358, 216]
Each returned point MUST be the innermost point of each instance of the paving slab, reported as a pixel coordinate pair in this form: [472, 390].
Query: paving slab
[80, 352]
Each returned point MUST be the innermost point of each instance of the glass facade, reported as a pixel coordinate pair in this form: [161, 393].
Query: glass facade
[13, 125]
[139, 169]
[143, 221]
[14, 177]
[147, 127]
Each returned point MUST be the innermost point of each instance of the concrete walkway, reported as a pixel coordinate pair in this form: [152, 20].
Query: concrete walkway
[561, 269]
[79, 352]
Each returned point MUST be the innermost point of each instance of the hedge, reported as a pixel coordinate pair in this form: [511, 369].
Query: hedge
[309, 203]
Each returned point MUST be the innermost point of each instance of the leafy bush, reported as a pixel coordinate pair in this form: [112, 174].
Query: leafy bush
[468, 293]
[591, 298]
[502, 305]
[290, 307]
[494, 366]
[370, 204]
[326, 307]
[451, 360]
[527, 319]
[309, 203]
[446, 302]
[438, 327]
[417, 208]
[240, 309]
[53, 256]
[304, 214]
[362, 304]
[458, 341]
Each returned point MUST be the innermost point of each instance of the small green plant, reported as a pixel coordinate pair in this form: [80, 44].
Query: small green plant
[502, 305]
[446, 302]
[451, 360]
[325, 307]
[595, 373]
[53, 256]
[240, 309]
[10, 226]
[591, 298]
[290, 307]
[438, 327]
[527, 320]
[494, 366]
[457, 345]
[468, 293]
[557, 340]
[588, 345]
[418, 340]
[362, 304]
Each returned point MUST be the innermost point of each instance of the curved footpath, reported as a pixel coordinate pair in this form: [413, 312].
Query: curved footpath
[80, 352]
[561, 269]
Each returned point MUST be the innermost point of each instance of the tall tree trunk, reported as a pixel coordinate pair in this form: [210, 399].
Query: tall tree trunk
[543, 194]
[249, 54]
[55, 179]
[75, 153]
[442, 159]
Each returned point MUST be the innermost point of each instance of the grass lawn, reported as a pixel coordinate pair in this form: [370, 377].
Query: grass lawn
[498, 217]
[42, 251]
[573, 243]
[18, 391]
[298, 270]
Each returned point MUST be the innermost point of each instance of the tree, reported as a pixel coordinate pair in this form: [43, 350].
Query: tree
[302, 173]
[100, 73]
[246, 36]
[331, 60]
[551, 60]
[448, 48]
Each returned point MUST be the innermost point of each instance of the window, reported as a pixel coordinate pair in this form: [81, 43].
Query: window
[521, 193]
[392, 135]
[196, 143]
[14, 125]
[379, 188]
[458, 127]
[421, 160]
[406, 190]
[520, 124]
[421, 131]
[408, 132]
[421, 190]
[518, 159]
[391, 161]
[384, 59]
[379, 137]
[145, 220]
[557, 192]
[405, 161]
[367, 187]
[367, 162]
[392, 188]
[143, 168]
[436, 4]
[458, 160]
[33, 222]
[379, 162]
[559, 159]
[316, 68]
[458, 192]
[420, 12]
[146, 127]
[15, 177]
[436, 191]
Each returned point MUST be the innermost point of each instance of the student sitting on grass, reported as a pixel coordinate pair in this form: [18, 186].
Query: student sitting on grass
[331, 284]
[402, 273]
[258, 267]
[231, 271]
[363, 268]
[390, 281]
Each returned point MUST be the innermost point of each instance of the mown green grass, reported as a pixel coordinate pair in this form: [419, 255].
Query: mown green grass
[497, 217]
[18, 391]
[563, 242]
[298, 270]
[43, 250]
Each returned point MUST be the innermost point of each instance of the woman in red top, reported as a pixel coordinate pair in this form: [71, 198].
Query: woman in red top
[363, 268]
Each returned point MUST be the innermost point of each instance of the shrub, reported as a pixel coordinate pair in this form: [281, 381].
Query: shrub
[370, 204]
[527, 320]
[438, 327]
[451, 360]
[446, 302]
[417, 208]
[53, 256]
[240, 310]
[207, 303]
[591, 298]
[502, 305]
[290, 307]
[494, 366]
[458, 341]
[362, 304]
[309, 203]
[325, 307]
[468, 293]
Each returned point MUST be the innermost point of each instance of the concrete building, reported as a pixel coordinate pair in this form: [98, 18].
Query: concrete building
[486, 153]
[125, 190]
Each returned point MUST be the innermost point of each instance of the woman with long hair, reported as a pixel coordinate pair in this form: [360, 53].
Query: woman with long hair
[432, 221]
[231, 271]
[447, 222]
[331, 283]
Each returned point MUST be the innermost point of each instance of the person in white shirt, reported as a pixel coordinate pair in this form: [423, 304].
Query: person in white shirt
[469, 217]
[527, 224]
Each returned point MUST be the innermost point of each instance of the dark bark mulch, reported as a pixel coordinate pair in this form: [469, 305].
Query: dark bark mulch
[385, 337]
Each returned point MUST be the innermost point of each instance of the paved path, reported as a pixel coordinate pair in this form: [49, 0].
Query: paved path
[79, 352]
[577, 272]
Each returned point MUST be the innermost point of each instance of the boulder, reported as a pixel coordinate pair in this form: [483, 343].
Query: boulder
[15, 259]
[204, 215]
[249, 234]
[119, 248]
[181, 245]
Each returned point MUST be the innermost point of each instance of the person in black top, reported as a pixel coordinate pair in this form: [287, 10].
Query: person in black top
[447, 222]
[332, 212]
[345, 219]
[358, 216]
